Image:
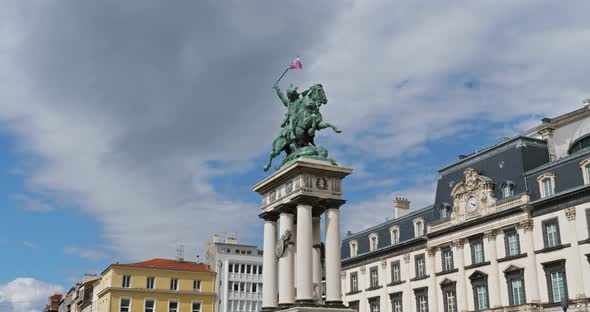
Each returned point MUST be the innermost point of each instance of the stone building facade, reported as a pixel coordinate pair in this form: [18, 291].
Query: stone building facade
[509, 230]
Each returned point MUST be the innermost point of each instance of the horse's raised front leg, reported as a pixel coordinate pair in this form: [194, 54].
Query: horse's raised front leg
[272, 155]
[324, 125]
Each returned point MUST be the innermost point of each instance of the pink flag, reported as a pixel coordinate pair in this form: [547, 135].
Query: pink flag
[296, 64]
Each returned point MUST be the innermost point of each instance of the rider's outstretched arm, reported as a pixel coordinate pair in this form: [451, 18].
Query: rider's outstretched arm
[281, 96]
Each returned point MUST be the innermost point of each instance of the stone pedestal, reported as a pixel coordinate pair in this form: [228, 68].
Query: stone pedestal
[301, 194]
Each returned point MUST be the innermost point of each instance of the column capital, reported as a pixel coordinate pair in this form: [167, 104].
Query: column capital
[305, 200]
[332, 203]
[526, 225]
[407, 258]
[490, 235]
[570, 213]
[431, 251]
[363, 269]
[458, 243]
[288, 208]
[269, 216]
[383, 264]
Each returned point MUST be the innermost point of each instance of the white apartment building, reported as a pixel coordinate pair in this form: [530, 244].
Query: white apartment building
[509, 230]
[239, 274]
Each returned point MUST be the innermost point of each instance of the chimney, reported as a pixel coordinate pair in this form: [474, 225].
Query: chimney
[586, 103]
[348, 233]
[401, 207]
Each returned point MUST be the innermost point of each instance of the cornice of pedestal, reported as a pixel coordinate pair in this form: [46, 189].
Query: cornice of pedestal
[269, 216]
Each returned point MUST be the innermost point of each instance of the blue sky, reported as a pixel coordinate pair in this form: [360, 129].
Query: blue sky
[119, 118]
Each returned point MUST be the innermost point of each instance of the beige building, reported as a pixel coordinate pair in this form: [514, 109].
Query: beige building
[509, 230]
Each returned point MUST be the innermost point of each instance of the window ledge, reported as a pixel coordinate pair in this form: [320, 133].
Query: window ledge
[419, 278]
[508, 258]
[586, 241]
[396, 283]
[550, 249]
[374, 287]
[446, 272]
[477, 265]
[353, 292]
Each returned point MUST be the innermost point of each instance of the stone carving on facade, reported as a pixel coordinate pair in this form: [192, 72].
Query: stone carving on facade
[472, 197]
[383, 264]
[458, 243]
[321, 183]
[570, 213]
[363, 269]
[431, 251]
[490, 235]
[527, 225]
[407, 258]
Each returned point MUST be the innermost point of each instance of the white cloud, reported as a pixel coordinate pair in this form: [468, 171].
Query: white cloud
[32, 204]
[123, 118]
[26, 294]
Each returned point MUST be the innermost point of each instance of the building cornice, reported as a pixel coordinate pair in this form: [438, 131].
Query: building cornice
[156, 291]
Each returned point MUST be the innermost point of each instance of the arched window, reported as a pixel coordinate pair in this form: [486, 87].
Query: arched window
[353, 248]
[507, 189]
[585, 166]
[445, 211]
[373, 241]
[394, 231]
[418, 227]
[546, 184]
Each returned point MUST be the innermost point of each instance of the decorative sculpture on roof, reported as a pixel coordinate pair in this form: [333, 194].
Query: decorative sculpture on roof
[302, 120]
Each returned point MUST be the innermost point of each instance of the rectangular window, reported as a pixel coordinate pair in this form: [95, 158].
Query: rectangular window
[149, 305]
[422, 302]
[354, 282]
[374, 277]
[150, 282]
[242, 287]
[547, 187]
[259, 269]
[236, 286]
[243, 268]
[173, 306]
[477, 255]
[196, 307]
[482, 297]
[254, 287]
[374, 305]
[248, 269]
[450, 301]
[126, 281]
[174, 284]
[512, 243]
[551, 233]
[420, 266]
[517, 289]
[354, 305]
[196, 285]
[125, 305]
[230, 268]
[557, 286]
[395, 272]
[588, 217]
[396, 302]
[447, 259]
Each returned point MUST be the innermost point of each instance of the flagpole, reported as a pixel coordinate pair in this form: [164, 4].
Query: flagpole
[286, 70]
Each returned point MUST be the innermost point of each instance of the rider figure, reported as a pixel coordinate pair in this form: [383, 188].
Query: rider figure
[291, 102]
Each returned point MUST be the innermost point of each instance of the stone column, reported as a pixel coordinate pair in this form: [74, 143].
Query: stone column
[286, 262]
[547, 136]
[530, 271]
[304, 254]
[495, 298]
[407, 276]
[269, 265]
[433, 287]
[333, 268]
[570, 214]
[316, 259]
[458, 246]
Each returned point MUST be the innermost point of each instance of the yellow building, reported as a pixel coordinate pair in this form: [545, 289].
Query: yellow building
[157, 285]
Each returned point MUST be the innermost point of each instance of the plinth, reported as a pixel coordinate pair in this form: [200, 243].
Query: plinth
[296, 197]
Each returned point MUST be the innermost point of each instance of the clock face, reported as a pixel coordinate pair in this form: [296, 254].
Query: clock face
[472, 203]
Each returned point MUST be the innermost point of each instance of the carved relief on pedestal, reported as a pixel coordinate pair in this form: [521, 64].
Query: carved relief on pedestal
[570, 213]
[472, 197]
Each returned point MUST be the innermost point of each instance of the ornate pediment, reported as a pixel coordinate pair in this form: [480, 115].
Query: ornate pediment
[472, 197]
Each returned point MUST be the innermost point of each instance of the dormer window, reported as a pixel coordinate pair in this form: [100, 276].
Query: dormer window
[418, 227]
[445, 211]
[373, 241]
[354, 247]
[507, 189]
[394, 231]
[546, 184]
[585, 166]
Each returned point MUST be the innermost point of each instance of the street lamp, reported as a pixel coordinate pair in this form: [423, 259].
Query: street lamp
[564, 303]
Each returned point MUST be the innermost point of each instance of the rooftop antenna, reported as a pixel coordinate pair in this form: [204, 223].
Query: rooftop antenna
[180, 253]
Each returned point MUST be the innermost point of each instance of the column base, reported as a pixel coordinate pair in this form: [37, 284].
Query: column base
[284, 306]
[268, 309]
[306, 303]
[335, 304]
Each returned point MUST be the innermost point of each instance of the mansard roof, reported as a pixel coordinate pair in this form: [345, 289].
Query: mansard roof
[406, 231]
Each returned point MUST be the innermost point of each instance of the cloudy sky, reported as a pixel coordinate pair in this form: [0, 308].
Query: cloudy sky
[129, 127]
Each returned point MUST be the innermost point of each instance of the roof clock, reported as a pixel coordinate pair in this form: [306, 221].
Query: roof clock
[472, 197]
